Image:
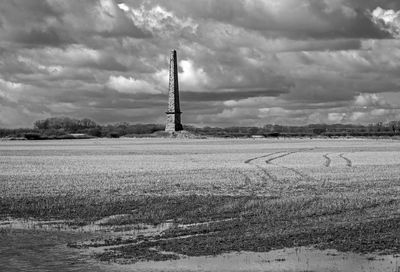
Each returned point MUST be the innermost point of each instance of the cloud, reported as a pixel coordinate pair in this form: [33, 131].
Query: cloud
[157, 20]
[366, 100]
[336, 117]
[240, 62]
[9, 116]
[192, 78]
[309, 19]
[9, 92]
[130, 85]
[273, 111]
[356, 116]
[102, 17]
[387, 20]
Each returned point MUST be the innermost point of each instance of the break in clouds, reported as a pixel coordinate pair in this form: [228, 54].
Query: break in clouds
[242, 62]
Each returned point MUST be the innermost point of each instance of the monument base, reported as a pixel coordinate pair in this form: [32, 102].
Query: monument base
[173, 122]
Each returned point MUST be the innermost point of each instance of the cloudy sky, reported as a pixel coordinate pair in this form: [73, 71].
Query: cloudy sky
[242, 62]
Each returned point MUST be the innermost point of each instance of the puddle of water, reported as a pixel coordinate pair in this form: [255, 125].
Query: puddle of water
[44, 251]
[205, 223]
[38, 245]
[293, 259]
[96, 231]
[29, 245]
[21, 224]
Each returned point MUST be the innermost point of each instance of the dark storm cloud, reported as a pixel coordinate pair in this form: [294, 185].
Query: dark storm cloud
[97, 17]
[31, 23]
[41, 37]
[372, 4]
[294, 18]
[20, 12]
[10, 66]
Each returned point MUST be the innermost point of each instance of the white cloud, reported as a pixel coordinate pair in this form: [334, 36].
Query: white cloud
[73, 55]
[258, 102]
[366, 100]
[162, 78]
[273, 111]
[336, 117]
[192, 78]
[231, 103]
[388, 20]
[123, 7]
[380, 112]
[156, 18]
[131, 85]
[356, 116]
[240, 113]
[10, 90]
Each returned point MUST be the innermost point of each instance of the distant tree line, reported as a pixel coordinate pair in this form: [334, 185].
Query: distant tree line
[326, 130]
[69, 128]
[65, 128]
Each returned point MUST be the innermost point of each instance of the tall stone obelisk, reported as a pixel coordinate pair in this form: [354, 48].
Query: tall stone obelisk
[174, 110]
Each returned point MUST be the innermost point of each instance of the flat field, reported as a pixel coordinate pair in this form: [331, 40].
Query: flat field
[207, 197]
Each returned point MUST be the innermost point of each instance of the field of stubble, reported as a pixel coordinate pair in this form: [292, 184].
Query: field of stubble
[207, 197]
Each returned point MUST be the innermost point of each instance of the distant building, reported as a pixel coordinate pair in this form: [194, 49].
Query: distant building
[257, 136]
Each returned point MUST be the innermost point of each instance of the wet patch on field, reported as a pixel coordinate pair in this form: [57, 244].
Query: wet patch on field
[297, 259]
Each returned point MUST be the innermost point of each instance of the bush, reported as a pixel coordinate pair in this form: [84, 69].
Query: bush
[33, 136]
[96, 132]
[273, 134]
[113, 135]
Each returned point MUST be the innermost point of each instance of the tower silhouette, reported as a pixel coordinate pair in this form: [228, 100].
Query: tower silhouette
[174, 111]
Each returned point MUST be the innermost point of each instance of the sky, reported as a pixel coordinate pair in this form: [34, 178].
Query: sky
[241, 62]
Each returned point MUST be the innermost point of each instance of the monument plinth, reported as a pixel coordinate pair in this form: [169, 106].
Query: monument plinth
[174, 111]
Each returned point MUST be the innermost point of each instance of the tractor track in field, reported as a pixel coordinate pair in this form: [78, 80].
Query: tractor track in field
[327, 160]
[349, 163]
[260, 157]
[269, 161]
[267, 175]
[298, 172]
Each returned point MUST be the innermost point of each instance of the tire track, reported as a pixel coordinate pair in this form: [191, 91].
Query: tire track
[299, 173]
[349, 163]
[327, 160]
[267, 175]
[280, 156]
[269, 161]
[270, 154]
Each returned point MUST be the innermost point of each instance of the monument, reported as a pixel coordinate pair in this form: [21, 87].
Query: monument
[174, 111]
